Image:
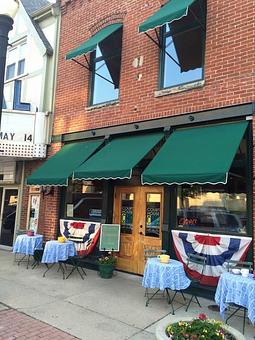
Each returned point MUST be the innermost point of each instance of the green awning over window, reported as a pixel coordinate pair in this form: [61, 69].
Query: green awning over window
[57, 169]
[172, 10]
[196, 155]
[91, 44]
[118, 157]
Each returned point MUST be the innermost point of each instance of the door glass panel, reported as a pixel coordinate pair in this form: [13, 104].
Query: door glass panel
[127, 211]
[152, 224]
[9, 216]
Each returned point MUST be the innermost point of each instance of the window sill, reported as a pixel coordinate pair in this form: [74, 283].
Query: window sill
[98, 106]
[16, 78]
[179, 88]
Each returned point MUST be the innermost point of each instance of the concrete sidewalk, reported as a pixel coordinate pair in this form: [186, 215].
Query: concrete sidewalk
[92, 309]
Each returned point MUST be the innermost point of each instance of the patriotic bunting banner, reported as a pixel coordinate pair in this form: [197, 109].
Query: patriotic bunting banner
[218, 249]
[83, 234]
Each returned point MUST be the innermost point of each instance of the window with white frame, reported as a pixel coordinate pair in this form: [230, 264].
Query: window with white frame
[15, 63]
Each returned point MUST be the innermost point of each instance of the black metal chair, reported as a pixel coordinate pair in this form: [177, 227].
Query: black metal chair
[197, 261]
[232, 264]
[77, 262]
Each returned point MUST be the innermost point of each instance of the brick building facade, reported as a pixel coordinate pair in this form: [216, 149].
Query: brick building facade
[223, 94]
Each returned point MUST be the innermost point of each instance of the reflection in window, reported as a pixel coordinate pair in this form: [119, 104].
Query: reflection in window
[127, 213]
[220, 208]
[152, 227]
[106, 61]
[183, 48]
[84, 200]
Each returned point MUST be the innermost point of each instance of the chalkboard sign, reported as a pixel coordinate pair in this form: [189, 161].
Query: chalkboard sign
[110, 237]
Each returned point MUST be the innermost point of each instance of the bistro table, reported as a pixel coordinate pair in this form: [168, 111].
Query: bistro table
[236, 289]
[57, 252]
[165, 276]
[27, 245]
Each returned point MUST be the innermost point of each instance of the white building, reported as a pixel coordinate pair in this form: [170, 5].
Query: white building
[28, 105]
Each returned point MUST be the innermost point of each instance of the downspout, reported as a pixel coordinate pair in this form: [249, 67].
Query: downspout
[20, 199]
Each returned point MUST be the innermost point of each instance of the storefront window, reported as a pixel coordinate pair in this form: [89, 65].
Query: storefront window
[217, 208]
[127, 211]
[152, 226]
[84, 200]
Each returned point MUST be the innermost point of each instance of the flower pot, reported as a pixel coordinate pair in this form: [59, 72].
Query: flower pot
[161, 327]
[106, 270]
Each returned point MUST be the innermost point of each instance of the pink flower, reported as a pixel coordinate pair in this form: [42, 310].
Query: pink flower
[194, 337]
[202, 316]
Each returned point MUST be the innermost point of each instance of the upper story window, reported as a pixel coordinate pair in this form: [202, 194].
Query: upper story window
[15, 64]
[183, 46]
[105, 64]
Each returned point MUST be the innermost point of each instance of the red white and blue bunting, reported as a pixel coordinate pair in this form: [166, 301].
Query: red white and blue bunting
[83, 234]
[218, 249]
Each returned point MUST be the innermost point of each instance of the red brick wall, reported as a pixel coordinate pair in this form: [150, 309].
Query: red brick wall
[229, 63]
[229, 69]
[49, 203]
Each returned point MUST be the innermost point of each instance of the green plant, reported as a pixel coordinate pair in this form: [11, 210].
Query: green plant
[199, 328]
[107, 259]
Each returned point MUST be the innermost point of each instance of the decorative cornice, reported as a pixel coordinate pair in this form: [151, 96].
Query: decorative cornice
[112, 18]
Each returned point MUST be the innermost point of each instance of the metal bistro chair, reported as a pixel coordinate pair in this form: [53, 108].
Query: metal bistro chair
[77, 262]
[231, 264]
[198, 260]
[148, 254]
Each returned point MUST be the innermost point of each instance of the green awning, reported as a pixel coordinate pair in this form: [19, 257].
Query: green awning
[91, 44]
[118, 157]
[172, 10]
[57, 169]
[196, 155]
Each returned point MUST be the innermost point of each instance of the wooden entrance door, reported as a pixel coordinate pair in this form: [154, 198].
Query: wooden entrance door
[139, 212]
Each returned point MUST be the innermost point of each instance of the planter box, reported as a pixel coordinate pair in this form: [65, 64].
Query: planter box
[161, 327]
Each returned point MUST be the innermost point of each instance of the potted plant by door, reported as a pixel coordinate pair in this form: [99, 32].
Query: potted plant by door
[106, 265]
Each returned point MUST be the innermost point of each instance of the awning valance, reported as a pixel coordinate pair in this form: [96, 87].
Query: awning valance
[57, 169]
[118, 157]
[91, 44]
[172, 10]
[196, 155]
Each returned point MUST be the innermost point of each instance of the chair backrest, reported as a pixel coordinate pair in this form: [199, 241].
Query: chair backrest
[198, 260]
[239, 265]
[153, 252]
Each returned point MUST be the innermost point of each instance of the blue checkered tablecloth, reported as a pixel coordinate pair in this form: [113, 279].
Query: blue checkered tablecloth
[161, 275]
[236, 289]
[55, 251]
[27, 244]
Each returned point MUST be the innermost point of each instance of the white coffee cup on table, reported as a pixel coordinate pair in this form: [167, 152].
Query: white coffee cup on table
[245, 272]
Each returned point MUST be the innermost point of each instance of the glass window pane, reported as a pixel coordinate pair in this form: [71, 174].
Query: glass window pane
[182, 69]
[152, 225]
[21, 67]
[22, 51]
[10, 71]
[11, 56]
[84, 200]
[106, 69]
[103, 90]
[127, 213]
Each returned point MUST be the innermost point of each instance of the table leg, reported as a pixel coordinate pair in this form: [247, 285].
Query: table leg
[28, 261]
[151, 297]
[170, 301]
[62, 269]
[19, 261]
[48, 268]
